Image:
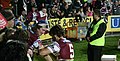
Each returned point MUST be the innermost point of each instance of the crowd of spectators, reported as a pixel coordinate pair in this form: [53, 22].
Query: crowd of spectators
[30, 13]
[39, 11]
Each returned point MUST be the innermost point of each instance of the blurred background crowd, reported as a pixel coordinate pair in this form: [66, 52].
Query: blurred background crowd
[28, 13]
[39, 11]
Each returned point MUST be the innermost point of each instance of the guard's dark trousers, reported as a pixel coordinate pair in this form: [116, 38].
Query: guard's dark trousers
[94, 53]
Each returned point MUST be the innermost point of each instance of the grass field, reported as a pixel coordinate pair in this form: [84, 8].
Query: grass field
[80, 48]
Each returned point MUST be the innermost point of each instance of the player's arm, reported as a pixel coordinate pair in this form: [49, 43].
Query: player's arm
[45, 53]
[53, 48]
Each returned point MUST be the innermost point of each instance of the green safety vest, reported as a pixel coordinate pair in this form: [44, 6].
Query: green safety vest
[100, 41]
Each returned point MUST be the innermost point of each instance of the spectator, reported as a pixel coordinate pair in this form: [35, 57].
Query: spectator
[43, 16]
[5, 4]
[30, 4]
[68, 2]
[90, 3]
[10, 20]
[20, 25]
[67, 11]
[23, 16]
[62, 4]
[82, 14]
[89, 12]
[109, 10]
[23, 20]
[119, 4]
[62, 47]
[41, 6]
[39, 3]
[33, 15]
[21, 6]
[8, 15]
[54, 12]
[15, 47]
[116, 8]
[109, 7]
[14, 7]
[103, 10]
[114, 0]
[55, 2]
[84, 6]
[77, 4]
[48, 2]
[97, 4]
[33, 3]
[78, 16]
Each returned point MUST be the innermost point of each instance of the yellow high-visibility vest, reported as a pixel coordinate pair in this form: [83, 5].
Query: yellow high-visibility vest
[100, 41]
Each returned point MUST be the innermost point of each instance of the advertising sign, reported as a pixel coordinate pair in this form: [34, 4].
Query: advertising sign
[113, 24]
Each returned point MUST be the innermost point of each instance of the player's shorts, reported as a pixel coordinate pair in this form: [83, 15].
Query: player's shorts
[54, 47]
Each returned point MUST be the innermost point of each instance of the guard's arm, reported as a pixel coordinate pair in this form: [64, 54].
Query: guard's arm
[100, 32]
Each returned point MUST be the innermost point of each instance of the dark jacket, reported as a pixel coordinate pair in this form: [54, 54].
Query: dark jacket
[2, 32]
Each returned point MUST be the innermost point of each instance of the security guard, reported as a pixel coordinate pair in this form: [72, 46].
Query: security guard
[96, 37]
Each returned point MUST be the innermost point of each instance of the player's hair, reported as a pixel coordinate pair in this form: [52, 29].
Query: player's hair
[37, 26]
[57, 30]
[15, 46]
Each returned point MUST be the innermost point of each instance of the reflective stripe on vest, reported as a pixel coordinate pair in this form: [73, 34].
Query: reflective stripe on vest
[100, 41]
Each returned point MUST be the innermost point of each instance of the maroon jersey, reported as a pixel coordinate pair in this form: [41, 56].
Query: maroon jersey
[33, 38]
[66, 49]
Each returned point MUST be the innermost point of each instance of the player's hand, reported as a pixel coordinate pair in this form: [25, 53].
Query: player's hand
[88, 39]
[30, 52]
